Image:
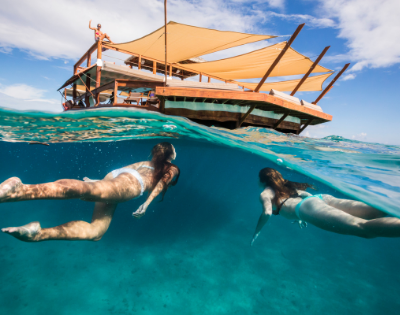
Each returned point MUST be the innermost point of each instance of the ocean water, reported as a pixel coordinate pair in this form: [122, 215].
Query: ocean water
[191, 253]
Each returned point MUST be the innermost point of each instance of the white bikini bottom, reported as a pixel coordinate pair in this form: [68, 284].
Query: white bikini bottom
[135, 173]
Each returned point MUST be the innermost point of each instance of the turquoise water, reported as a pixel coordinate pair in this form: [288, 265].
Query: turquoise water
[191, 253]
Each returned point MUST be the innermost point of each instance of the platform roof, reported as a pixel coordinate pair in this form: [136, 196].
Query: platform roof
[254, 64]
[310, 84]
[186, 41]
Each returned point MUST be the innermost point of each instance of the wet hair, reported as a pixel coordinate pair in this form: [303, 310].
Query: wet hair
[98, 25]
[283, 188]
[159, 157]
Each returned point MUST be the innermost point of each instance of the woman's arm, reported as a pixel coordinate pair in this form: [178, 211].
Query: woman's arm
[162, 183]
[266, 200]
[90, 26]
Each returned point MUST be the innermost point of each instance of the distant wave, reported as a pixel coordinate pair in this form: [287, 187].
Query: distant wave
[365, 171]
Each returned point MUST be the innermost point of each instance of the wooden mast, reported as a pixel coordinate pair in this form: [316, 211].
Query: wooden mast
[303, 79]
[330, 85]
[271, 68]
[165, 31]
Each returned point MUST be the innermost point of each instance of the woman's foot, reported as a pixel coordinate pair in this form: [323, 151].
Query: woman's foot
[26, 233]
[9, 188]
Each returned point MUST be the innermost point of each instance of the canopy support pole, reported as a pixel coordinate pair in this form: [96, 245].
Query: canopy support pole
[271, 68]
[330, 85]
[276, 125]
[154, 67]
[200, 77]
[305, 126]
[139, 64]
[303, 79]
[242, 119]
[165, 31]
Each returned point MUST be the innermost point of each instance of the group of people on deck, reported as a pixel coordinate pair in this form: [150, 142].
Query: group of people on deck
[155, 177]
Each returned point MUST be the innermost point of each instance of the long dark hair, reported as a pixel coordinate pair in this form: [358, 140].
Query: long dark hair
[160, 154]
[283, 188]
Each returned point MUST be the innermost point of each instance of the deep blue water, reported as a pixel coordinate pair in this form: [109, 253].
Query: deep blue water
[191, 253]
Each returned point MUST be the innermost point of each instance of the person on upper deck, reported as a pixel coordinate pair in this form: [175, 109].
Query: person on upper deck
[98, 34]
[121, 185]
[340, 216]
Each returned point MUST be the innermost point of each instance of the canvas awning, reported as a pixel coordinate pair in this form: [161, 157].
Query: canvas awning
[254, 64]
[310, 84]
[186, 41]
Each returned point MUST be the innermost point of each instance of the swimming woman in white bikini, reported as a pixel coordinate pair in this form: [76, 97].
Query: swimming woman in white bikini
[341, 216]
[118, 186]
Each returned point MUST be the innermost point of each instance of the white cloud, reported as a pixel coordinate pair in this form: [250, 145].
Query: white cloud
[26, 97]
[371, 28]
[349, 76]
[22, 91]
[13, 103]
[362, 136]
[59, 28]
[304, 18]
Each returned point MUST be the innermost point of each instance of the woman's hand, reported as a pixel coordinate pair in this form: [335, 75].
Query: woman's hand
[302, 224]
[140, 212]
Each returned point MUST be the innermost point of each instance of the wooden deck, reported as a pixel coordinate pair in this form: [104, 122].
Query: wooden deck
[227, 119]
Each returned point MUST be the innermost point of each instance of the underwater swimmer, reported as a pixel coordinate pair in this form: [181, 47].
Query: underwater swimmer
[341, 216]
[118, 186]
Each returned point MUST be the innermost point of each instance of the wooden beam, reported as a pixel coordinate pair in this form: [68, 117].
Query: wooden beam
[165, 36]
[74, 92]
[170, 71]
[154, 67]
[87, 98]
[246, 115]
[276, 125]
[115, 92]
[139, 65]
[305, 126]
[98, 71]
[271, 68]
[200, 77]
[209, 79]
[330, 85]
[83, 58]
[162, 105]
[89, 59]
[303, 79]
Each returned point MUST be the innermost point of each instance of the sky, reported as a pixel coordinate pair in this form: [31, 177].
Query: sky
[41, 40]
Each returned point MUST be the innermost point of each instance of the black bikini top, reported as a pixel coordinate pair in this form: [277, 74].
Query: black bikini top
[278, 207]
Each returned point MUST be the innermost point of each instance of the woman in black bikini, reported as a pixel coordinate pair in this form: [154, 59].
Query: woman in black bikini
[341, 216]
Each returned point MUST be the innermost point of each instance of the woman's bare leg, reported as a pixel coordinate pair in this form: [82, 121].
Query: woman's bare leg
[122, 188]
[355, 208]
[72, 231]
[104, 35]
[328, 218]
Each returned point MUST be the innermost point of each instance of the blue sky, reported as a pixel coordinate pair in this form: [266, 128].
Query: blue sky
[41, 40]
